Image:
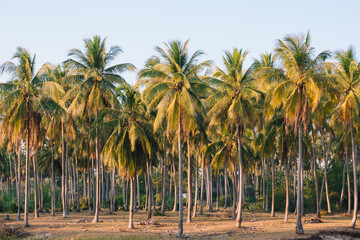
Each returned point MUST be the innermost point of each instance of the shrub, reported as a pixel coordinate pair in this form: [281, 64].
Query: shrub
[11, 207]
[222, 201]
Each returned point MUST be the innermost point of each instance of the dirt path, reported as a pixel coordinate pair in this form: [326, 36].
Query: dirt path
[216, 225]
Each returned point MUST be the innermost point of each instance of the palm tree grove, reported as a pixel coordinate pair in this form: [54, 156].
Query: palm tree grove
[258, 148]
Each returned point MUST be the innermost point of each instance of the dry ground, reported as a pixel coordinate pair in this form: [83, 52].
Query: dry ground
[215, 225]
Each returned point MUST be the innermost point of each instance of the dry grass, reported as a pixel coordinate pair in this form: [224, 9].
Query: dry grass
[214, 225]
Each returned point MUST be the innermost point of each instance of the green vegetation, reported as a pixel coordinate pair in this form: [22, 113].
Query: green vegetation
[278, 135]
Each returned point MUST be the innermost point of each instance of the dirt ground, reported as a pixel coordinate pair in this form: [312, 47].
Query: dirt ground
[214, 225]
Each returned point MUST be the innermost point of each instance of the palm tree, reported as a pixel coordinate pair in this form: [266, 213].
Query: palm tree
[97, 88]
[298, 91]
[235, 95]
[348, 84]
[173, 87]
[131, 141]
[23, 105]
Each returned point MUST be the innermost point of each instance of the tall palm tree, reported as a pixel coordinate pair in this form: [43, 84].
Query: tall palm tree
[23, 105]
[235, 103]
[348, 84]
[132, 140]
[298, 91]
[173, 87]
[97, 88]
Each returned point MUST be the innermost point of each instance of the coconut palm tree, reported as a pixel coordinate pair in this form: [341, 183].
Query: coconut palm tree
[347, 75]
[298, 91]
[173, 87]
[23, 106]
[97, 88]
[235, 104]
[132, 142]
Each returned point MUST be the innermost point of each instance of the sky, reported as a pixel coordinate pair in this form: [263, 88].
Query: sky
[50, 28]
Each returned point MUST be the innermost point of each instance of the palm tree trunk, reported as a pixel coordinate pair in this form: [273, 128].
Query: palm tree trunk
[315, 174]
[11, 177]
[163, 183]
[202, 184]
[287, 183]
[302, 189]
[27, 169]
[263, 181]
[181, 206]
[217, 190]
[102, 189]
[97, 195]
[239, 211]
[299, 227]
[19, 184]
[235, 194]
[294, 187]
[41, 209]
[132, 201]
[175, 188]
[63, 171]
[16, 177]
[138, 190]
[196, 186]
[112, 190]
[325, 170]
[149, 189]
[354, 158]
[267, 186]
[348, 179]
[77, 184]
[157, 182]
[67, 175]
[52, 180]
[36, 212]
[171, 181]
[225, 184]
[343, 185]
[88, 182]
[272, 214]
[189, 195]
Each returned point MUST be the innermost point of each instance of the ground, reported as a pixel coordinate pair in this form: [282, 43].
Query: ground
[214, 225]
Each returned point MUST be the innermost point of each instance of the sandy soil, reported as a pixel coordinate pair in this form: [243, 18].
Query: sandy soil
[214, 225]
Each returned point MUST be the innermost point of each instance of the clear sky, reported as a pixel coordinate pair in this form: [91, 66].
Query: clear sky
[50, 28]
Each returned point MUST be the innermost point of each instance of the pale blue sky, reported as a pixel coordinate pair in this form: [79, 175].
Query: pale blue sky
[50, 28]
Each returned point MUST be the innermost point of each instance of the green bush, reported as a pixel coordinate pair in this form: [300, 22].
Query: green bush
[119, 201]
[11, 207]
[2, 207]
[84, 204]
[222, 201]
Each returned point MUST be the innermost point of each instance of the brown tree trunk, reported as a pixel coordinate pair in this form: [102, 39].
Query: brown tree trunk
[299, 227]
[189, 194]
[196, 186]
[272, 214]
[287, 183]
[163, 183]
[132, 201]
[239, 210]
[181, 207]
[348, 180]
[36, 212]
[354, 158]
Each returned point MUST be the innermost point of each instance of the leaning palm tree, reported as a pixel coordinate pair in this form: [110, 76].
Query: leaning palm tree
[298, 91]
[23, 106]
[96, 91]
[235, 103]
[348, 84]
[173, 87]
